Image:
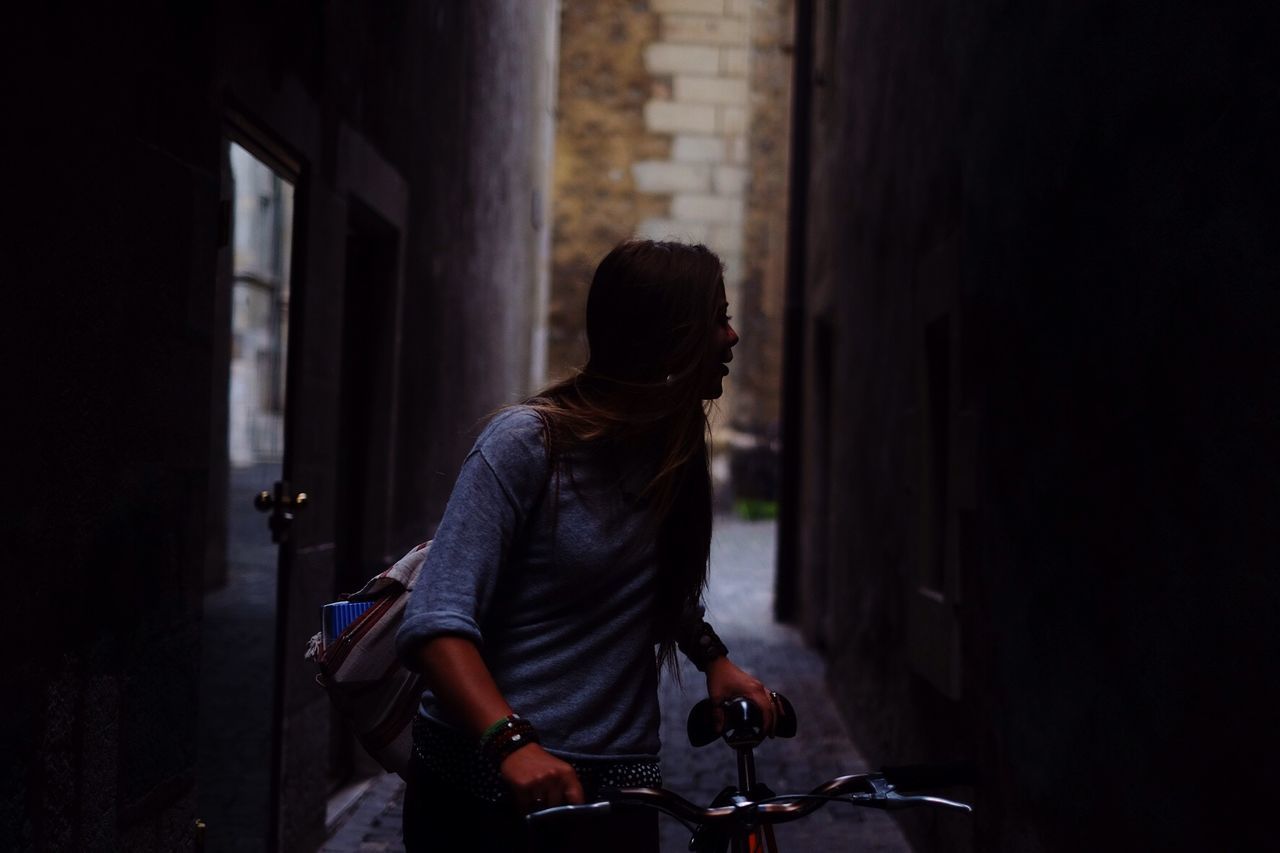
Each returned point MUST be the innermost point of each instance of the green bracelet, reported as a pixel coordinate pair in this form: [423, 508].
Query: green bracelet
[498, 726]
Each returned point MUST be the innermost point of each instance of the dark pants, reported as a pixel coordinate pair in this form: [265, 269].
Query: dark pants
[439, 819]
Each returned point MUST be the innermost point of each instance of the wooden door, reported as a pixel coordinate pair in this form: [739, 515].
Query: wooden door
[307, 554]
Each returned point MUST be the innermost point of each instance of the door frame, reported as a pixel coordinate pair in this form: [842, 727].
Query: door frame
[363, 175]
[376, 202]
[352, 168]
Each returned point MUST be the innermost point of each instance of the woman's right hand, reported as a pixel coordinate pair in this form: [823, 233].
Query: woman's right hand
[539, 780]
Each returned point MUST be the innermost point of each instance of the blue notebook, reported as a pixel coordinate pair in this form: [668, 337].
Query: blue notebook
[338, 617]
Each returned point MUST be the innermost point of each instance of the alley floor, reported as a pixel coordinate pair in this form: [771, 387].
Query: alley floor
[236, 673]
[739, 604]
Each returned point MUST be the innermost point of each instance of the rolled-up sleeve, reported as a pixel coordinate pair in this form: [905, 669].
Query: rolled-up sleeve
[500, 482]
[690, 624]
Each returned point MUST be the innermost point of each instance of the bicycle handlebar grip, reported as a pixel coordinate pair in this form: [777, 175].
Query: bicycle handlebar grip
[915, 777]
[742, 719]
[701, 726]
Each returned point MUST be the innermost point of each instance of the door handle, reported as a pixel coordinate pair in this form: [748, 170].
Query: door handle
[282, 503]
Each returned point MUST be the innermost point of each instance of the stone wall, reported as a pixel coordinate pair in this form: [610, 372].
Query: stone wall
[1039, 412]
[600, 134]
[758, 316]
[119, 341]
[668, 131]
[699, 67]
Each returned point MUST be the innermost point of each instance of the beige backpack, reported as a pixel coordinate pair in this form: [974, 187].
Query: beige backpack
[359, 668]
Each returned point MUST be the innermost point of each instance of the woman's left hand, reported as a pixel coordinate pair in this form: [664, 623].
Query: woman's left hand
[726, 681]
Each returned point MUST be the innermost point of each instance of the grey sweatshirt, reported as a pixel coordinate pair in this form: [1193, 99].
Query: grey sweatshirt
[554, 580]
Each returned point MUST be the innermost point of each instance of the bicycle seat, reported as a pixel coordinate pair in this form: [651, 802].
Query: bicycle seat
[743, 722]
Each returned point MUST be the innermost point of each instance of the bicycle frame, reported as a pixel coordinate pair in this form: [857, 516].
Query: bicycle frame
[746, 839]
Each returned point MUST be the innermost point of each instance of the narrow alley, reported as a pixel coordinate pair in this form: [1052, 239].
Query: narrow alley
[740, 604]
[1005, 282]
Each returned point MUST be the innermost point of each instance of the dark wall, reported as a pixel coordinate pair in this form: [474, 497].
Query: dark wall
[473, 238]
[1084, 192]
[115, 337]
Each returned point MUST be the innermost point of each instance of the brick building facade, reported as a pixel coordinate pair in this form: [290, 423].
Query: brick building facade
[672, 124]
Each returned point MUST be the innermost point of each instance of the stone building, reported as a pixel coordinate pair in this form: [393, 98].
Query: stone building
[673, 124]
[391, 164]
[1029, 422]
[1032, 408]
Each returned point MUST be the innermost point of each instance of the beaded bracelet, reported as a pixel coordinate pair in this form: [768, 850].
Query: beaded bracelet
[499, 724]
[506, 736]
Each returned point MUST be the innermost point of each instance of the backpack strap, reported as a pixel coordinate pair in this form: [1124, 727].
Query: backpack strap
[399, 577]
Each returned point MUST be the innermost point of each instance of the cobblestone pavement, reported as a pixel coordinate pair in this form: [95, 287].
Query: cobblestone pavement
[739, 604]
[236, 675]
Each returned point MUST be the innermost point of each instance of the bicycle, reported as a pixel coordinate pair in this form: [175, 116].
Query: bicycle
[743, 816]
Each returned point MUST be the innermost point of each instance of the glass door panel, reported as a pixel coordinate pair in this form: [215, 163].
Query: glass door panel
[237, 682]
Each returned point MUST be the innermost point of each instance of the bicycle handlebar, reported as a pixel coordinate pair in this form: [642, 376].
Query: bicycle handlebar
[734, 810]
[872, 790]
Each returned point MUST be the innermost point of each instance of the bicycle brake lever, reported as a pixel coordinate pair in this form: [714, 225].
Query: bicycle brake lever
[603, 807]
[884, 796]
[901, 802]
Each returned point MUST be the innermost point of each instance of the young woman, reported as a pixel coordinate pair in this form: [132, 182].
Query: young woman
[575, 540]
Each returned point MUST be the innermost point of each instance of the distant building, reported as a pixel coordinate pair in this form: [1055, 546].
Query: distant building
[673, 124]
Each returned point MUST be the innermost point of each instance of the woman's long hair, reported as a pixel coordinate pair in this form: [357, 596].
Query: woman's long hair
[651, 315]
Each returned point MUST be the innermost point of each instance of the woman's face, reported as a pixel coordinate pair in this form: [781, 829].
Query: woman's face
[720, 353]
